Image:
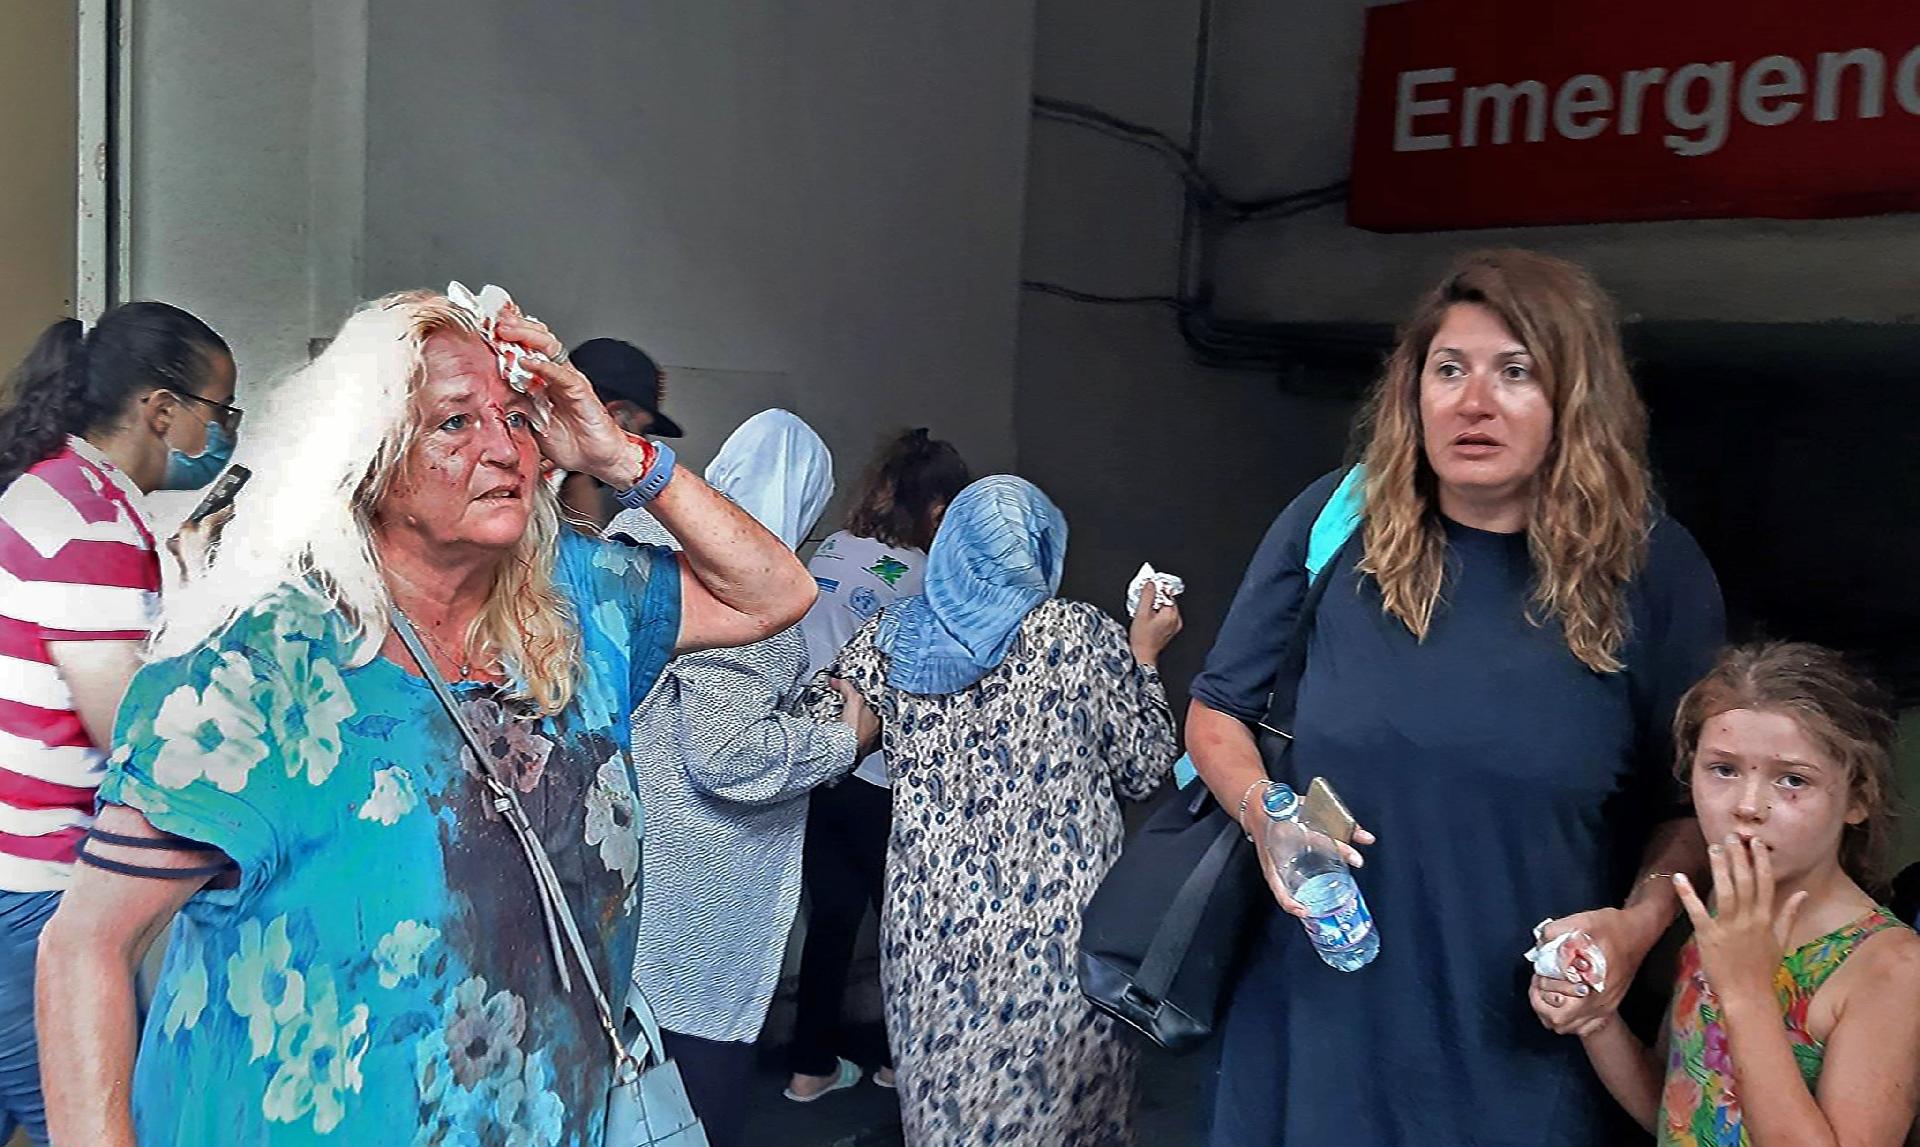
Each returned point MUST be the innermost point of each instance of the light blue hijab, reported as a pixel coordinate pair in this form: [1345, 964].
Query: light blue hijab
[999, 553]
[776, 468]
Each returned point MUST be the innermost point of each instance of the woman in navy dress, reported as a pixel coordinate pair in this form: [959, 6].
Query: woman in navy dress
[1489, 683]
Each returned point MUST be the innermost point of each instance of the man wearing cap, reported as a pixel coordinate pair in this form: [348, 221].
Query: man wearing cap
[629, 383]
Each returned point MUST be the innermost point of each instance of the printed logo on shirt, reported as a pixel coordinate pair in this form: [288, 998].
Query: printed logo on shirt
[889, 569]
[827, 584]
[826, 549]
[864, 602]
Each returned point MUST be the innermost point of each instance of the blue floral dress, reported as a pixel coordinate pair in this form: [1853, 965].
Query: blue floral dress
[380, 975]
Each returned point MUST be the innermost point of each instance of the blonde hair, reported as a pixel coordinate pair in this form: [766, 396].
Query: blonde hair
[1591, 511]
[324, 453]
[1840, 710]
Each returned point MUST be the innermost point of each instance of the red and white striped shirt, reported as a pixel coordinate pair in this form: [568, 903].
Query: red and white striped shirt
[77, 563]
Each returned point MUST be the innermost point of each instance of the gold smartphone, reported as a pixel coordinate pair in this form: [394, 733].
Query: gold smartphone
[1324, 807]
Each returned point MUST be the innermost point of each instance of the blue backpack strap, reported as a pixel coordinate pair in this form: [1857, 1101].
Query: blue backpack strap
[1332, 528]
[1337, 521]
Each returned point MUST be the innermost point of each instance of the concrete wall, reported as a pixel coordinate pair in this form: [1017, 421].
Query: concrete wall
[813, 204]
[1151, 457]
[1154, 459]
[242, 158]
[818, 207]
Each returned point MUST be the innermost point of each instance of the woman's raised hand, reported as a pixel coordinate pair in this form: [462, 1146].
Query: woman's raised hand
[580, 435]
[1154, 626]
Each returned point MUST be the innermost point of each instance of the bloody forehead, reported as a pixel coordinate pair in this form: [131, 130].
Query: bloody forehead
[469, 387]
[514, 403]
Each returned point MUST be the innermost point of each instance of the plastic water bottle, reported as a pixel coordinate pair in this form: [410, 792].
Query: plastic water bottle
[1310, 867]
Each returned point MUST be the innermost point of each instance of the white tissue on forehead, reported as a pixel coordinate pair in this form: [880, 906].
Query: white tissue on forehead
[486, 308]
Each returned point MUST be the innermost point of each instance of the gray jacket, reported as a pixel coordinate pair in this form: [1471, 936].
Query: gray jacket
[724, 768]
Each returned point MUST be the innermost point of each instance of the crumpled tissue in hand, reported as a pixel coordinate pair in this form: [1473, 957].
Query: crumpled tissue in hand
[1166, 587]
[1553, 959]
[486, 308]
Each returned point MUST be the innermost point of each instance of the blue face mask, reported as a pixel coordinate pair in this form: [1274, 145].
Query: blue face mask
[192, 471]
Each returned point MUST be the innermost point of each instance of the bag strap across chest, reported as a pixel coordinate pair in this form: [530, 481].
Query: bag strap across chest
[563, 932]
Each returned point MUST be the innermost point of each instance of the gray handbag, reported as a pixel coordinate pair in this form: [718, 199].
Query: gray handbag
[647, 1104]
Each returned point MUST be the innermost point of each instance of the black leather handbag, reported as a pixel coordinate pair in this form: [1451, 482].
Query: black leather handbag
[1163, 934]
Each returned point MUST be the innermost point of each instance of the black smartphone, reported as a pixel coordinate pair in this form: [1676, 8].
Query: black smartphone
[221, 496]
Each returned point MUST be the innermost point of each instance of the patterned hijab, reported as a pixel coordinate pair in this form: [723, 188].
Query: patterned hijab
[776, 468]
[999, 553]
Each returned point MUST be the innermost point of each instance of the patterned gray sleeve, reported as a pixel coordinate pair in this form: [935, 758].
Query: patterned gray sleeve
[1138, 737]
[738, 732]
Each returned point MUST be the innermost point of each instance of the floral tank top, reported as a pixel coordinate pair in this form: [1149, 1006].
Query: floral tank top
[1699, 1107]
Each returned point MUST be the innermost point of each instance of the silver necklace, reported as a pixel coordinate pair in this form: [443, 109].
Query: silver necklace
[465, 660]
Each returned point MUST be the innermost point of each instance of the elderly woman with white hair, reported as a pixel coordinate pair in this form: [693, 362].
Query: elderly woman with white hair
[359, 954]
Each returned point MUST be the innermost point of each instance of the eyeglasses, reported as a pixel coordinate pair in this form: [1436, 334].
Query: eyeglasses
[228, 416]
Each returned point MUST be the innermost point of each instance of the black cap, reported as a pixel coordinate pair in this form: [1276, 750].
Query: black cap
[621, 371]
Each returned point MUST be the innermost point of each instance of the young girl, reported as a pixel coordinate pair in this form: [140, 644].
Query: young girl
[1796, 1019]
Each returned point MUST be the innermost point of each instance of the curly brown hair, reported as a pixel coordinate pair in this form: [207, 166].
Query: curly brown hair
[900, 499]
[1591, 512]
[1842, 711]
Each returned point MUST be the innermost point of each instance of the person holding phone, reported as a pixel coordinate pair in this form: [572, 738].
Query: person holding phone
[95, 420]
[1488, 684]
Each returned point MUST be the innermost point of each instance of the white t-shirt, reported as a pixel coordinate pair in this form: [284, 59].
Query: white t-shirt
[858, 577]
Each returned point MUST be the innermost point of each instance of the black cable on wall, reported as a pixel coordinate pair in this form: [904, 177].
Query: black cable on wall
[1348, 349]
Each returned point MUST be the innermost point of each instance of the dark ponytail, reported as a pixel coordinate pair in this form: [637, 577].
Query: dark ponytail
[913, 478]
[73, 382]
[41, 399]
